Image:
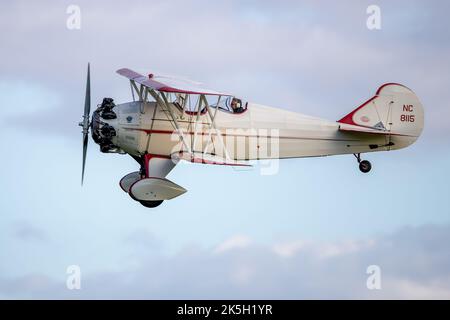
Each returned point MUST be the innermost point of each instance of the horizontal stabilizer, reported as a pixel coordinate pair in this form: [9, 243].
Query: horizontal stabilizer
[353, 128]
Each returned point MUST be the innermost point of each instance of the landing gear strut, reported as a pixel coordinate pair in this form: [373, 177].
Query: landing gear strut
[364, 165]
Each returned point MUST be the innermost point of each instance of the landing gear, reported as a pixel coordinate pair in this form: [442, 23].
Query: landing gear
[147, 203]
[148, 186]
[364, 165]
[151, 204]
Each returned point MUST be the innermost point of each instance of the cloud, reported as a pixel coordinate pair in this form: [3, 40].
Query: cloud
[233, 243]
[19, 98]
[308, 57]
[414, 262]
[23, 286]
[324, 250]
[144, 238]
[313, 57]
[27, 232]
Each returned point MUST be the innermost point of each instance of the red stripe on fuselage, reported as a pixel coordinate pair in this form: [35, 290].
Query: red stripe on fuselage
[155, 131]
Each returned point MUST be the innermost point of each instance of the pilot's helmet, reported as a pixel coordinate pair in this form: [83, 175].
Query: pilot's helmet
[233, 100]
[237, 101]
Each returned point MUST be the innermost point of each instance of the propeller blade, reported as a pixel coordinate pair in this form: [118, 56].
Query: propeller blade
[85, 144]
[85, 123]
[87, 100]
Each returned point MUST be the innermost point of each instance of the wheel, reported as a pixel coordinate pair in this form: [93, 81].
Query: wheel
[127, 181]
[151, 204]
[365, 166]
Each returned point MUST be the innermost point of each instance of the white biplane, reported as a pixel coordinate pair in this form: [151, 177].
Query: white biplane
[172, 120]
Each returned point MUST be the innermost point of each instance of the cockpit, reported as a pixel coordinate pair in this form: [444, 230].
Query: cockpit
[228, 104]
[231, 104]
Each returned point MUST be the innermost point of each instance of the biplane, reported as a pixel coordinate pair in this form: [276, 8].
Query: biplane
[173, 119]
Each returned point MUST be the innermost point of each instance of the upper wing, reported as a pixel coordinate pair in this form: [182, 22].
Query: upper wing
[169, 84]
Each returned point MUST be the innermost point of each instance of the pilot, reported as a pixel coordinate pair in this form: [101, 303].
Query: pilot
[236, 105]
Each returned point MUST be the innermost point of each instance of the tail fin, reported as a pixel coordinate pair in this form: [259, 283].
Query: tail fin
[395, 110]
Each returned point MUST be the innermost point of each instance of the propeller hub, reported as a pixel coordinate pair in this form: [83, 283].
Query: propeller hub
[85, 124]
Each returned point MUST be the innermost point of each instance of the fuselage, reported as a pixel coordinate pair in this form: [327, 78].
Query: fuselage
[261, 132]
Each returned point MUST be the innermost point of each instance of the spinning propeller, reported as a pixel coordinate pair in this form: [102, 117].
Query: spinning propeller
[85, 123]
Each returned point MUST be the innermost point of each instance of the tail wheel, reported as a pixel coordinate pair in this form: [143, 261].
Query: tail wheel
[365, 166]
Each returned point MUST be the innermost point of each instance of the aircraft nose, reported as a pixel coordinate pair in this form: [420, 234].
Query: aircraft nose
[95, 127]
[102, 125]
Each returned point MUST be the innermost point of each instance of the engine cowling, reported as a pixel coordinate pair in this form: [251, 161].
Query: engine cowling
[116, 128]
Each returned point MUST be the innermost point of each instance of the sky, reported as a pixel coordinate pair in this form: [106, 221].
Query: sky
[309, 231]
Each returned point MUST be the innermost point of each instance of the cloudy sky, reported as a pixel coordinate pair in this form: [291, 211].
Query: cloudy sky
[309, 231]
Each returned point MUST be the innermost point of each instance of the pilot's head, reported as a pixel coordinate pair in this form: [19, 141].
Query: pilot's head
[235, 103]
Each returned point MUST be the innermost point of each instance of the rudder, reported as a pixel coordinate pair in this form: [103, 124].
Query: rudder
[395, 110]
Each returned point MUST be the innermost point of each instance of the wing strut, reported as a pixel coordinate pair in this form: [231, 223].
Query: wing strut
[165, 85]
[164, 102]
[213, 126]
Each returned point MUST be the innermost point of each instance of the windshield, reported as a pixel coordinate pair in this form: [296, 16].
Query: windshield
[227, 103]
[231, 104]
